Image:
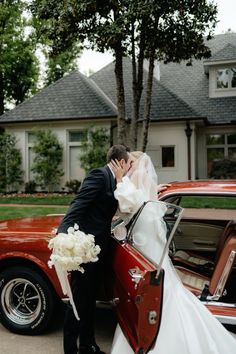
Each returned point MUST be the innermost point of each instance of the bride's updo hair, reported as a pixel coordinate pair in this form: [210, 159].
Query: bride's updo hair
[137, 154]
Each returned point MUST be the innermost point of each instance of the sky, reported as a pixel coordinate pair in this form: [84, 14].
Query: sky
[93, 61]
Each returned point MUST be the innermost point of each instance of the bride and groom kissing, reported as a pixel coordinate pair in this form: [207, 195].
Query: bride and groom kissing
[124, 184]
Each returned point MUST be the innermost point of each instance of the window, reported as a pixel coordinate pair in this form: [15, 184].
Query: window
[226, 78]
[168, 156]
[222, 80]
[30, 155]
[75, 138]
[220, 147]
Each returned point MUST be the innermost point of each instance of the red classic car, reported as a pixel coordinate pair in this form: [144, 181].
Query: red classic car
[203, 250]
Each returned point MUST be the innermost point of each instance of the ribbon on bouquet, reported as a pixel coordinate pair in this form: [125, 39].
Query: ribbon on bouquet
[62, 275]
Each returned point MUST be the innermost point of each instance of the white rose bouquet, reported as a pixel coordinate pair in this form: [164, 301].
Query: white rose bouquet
[71, 250]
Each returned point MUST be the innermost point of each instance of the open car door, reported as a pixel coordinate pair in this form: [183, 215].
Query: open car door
[137, 287]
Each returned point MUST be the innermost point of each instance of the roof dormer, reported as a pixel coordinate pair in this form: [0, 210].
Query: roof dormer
[221, 68]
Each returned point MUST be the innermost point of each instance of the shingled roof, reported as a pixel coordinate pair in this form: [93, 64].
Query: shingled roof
[72, 97]
[191, 84]
[181, 93]
[225, 54]
[165, 104]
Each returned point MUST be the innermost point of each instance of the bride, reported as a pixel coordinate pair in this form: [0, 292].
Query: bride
[187, 326]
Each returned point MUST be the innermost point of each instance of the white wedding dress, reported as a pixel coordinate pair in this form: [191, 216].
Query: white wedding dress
[187, 327]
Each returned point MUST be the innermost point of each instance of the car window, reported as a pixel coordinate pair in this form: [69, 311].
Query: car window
[143, 227]
[208, 202]
[207, 207]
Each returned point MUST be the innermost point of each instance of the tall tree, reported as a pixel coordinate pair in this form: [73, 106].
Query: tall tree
[60, 59]
[169, 30]
[18, 64]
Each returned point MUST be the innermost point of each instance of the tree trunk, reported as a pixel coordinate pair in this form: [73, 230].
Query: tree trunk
[148, 100]
[137, 87]
[121, 118]
[1, 94]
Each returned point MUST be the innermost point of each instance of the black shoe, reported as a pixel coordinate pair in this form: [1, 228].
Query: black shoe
[91, 349]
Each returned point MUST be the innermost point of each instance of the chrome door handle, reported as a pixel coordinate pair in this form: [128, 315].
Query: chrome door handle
[135, 275]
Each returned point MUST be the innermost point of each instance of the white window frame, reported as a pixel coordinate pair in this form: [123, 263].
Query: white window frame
[215, 92]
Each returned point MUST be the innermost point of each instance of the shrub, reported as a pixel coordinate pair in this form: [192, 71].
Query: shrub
[225, 168]
[73, 185]
[10, 164]
[30, 187]
[48, 157]
[94, 148]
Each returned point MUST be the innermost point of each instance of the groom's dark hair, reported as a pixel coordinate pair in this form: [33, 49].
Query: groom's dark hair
[118, 152]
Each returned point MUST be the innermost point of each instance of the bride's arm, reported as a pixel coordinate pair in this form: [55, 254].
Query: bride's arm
[129, 197]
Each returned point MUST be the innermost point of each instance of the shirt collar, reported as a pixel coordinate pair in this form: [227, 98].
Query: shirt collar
[113, 174]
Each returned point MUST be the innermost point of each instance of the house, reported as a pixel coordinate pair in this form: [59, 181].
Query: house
[193, 115]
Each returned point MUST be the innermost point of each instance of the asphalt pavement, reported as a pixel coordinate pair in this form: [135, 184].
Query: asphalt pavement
[52, 342]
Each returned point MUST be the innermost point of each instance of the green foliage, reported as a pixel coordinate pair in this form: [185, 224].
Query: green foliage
[30, 187]
[19, 67]
[48, 157]
[60, 64]
[73, 185]
[94, 148]
[10, 164]
[168, 30]
[223, 169]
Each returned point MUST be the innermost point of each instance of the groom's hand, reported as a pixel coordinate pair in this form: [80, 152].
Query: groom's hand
[118, 169]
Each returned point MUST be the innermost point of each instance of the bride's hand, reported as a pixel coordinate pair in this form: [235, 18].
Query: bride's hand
[117, 169]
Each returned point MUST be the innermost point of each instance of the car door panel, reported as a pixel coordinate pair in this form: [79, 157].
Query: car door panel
[197, 236]
[137, 295]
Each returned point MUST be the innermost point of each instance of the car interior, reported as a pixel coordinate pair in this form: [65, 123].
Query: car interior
[204, 247]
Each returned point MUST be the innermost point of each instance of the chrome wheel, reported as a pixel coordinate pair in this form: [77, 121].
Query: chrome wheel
[21, 301]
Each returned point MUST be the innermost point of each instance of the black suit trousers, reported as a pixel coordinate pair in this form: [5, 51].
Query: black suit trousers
[84, 289]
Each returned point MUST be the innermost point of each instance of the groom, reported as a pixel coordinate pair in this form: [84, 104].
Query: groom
[92, 209]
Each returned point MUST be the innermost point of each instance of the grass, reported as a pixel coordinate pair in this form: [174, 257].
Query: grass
[42, 204]
[37, 198]
[10, 212]
[208, 202]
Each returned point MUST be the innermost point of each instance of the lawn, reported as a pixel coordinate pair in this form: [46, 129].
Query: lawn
[40, 204]
[37, 198]
[10, 212]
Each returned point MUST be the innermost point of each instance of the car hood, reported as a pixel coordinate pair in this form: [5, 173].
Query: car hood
[34, 225]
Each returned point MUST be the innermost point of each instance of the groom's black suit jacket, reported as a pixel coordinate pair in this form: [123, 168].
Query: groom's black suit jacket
[93, 207]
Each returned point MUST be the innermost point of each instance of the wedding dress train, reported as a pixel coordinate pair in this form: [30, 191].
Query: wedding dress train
[187, 326]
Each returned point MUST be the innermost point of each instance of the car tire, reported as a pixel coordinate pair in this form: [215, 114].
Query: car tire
[26, 301]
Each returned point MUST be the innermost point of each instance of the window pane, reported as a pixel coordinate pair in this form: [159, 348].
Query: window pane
[31, 138]
[75, 169]
[233, 77]
[215, 139]
[232, 153]
[208, 202]
[76, 136]
[222, 77]
[231, 138]
[213, 154]
[168, 156]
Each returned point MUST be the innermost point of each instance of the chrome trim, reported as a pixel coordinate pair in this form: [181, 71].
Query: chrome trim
[226, 319]
[218, 304]
[224, 276]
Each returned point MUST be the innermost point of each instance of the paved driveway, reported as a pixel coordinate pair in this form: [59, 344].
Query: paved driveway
[51, 342]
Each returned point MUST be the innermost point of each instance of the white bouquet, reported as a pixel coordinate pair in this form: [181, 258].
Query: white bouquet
[71, 250]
